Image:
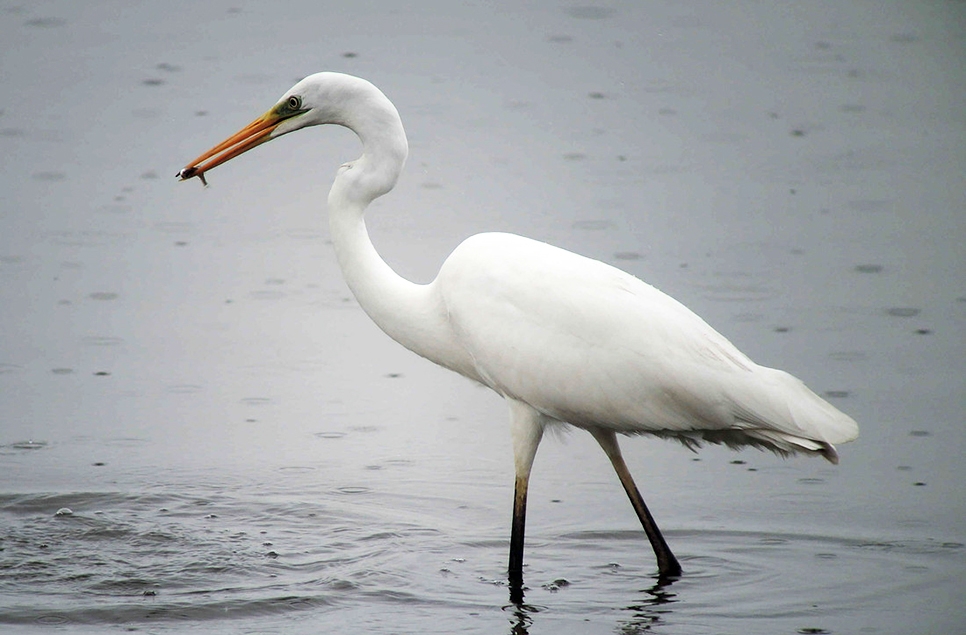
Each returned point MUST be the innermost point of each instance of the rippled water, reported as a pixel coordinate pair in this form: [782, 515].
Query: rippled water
[282, 549]
[201, 431]
[162, 561]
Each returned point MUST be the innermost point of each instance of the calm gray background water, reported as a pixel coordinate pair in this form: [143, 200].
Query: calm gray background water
[241, 451]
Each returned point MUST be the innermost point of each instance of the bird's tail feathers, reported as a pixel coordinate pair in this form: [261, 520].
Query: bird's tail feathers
[780, 443]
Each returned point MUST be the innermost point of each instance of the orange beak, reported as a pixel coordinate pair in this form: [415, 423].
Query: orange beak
[254, 134]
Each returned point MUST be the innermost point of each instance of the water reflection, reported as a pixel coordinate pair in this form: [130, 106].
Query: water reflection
[521, 621]
[651, 610]
[648, 612]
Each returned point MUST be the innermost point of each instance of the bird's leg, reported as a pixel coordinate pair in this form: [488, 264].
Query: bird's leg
[667, 564]
[526, 429]
[517, 531]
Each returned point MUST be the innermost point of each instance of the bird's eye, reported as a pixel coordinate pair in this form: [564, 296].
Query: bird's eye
[294, 102]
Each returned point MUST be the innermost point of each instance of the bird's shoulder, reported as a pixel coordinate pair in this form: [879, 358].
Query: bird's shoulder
[508, 262]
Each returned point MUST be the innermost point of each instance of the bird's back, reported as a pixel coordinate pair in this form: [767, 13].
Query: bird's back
[590, 345]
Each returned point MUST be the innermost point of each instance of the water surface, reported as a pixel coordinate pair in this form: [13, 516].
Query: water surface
[201, 431]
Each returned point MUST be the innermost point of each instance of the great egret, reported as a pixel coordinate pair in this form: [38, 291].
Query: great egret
[563, 338]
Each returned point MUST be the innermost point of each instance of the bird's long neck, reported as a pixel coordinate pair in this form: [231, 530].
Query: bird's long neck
[406, 311]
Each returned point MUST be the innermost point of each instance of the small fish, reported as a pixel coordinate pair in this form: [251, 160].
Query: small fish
[188, 173]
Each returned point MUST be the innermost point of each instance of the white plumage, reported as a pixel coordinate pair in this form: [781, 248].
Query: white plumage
[587, 344]
[562, 337]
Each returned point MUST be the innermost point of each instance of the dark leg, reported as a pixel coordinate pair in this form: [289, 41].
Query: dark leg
[667, 564]
[517, 532]
[526, 429]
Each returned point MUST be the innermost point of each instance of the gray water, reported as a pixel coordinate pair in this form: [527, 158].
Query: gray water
[201, 431]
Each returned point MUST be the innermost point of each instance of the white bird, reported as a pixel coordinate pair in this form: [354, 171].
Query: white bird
[563, 338]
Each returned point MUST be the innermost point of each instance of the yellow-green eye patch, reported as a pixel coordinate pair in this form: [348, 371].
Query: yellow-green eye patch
[289, 107]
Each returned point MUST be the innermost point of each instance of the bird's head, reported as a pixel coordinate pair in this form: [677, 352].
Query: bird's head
[317, 99]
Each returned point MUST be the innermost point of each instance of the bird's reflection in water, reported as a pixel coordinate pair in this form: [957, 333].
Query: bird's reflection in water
[649, 612]
[520, 621]
[646, 614]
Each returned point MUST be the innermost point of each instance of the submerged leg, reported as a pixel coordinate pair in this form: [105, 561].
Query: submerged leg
[517, 531]
[526, 429]
[667, 564]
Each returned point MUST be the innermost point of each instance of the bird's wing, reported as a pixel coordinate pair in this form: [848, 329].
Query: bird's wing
[586, 343]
